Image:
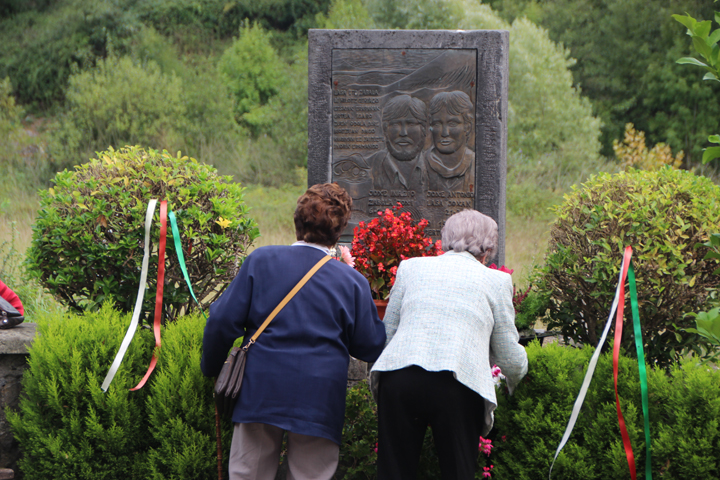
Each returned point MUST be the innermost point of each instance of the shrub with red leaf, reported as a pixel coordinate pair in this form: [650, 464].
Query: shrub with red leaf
[382, 243]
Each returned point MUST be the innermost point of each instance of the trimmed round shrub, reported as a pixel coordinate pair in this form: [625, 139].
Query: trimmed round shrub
[88, 237]
[664, 215]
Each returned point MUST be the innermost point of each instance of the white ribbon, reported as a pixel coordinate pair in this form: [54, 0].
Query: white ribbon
[589, 374]
[138, 303]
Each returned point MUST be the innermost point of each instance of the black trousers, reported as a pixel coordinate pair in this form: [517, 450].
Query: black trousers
[410, 400]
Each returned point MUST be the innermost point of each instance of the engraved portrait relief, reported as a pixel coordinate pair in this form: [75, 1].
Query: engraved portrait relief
[403, 131]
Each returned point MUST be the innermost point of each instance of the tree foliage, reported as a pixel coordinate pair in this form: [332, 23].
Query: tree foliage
[40, 50]
[705, 43]
[121, 102]
[632, 152]
[626, 52]
[252, 70]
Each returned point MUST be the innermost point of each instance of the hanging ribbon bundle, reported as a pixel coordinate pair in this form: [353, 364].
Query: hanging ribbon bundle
[164, 215]
[626, 272]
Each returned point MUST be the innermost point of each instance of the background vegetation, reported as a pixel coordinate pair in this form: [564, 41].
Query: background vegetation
[226, 83]
[69, 429]
[594, 88]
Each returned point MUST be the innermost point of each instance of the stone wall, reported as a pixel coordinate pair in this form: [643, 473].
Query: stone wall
[13, 361]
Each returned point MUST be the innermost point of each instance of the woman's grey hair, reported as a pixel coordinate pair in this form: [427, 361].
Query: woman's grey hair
[470, 231]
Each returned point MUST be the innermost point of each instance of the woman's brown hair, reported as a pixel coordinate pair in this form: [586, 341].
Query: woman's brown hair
[322, 213]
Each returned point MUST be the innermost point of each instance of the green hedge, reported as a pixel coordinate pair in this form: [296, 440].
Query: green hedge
[684, 420]
[684, 423]
[69, 429]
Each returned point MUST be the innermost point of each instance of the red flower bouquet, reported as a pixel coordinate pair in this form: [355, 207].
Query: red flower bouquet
[380, 245]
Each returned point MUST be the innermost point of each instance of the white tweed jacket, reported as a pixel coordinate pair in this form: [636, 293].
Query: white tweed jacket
[453, 313]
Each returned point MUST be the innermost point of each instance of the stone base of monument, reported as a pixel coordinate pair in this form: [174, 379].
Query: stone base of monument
[13, 362]
[357, 371]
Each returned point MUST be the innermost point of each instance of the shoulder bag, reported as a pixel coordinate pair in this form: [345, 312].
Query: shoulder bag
[228, 383]
[9, 316]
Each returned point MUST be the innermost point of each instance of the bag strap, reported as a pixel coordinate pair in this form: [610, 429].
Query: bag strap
[287, 298]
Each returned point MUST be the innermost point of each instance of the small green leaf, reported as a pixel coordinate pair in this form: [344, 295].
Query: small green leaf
[686, 20]
[691, 61]
[702, 29]
[701, 47]
[714, 37]
[710, 153]
[714, 139]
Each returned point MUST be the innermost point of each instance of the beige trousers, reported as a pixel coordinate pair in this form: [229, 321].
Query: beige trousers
[255, 454]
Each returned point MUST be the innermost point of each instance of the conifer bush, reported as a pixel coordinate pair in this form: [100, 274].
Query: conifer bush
[66, 426]
[684, 426]
[88, 237]
[665, 215]
[69, 429]
[181, 409]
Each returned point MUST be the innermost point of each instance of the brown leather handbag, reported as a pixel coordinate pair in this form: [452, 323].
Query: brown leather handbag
[228, 383]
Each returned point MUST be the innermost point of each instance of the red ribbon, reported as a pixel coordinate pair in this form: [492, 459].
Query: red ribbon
[616, 359]
[159, 294]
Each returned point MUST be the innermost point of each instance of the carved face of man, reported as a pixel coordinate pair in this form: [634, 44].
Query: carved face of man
[405, 137]
[449, 132]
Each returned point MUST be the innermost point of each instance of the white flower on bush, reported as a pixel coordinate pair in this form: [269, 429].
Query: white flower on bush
[497, 375]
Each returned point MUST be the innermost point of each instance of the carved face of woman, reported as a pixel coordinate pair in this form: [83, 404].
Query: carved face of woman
[449, 131]
[405, 137]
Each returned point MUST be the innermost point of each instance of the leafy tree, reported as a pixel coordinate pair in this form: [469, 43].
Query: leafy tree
[41, 50]
[706, 44]
[253, 73]
[625, 52]
[223, 18]
[632, 152]
[117, 103]
[350, 14]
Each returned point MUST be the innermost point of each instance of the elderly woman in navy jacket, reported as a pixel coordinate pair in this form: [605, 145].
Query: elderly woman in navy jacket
[296, 373]
[448, 320]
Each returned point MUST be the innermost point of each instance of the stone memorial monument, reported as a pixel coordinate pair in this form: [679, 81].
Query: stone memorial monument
[417, 118]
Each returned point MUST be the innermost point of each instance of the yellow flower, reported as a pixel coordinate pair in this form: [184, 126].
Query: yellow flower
[223, 223]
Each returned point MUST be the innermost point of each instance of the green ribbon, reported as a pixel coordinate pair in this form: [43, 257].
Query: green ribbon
[642, 369]
[181, 257]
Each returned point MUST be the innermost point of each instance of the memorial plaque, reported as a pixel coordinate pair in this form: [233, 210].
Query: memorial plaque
[411, 118]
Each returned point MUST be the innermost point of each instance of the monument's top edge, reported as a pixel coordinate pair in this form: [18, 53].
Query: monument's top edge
[325, 38]
[325, 31]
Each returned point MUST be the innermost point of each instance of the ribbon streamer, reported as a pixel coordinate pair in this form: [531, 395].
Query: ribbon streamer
[642, 370]
[138, 303]
[159, 293]
[181, 257]
[616, 361]
[593, 361]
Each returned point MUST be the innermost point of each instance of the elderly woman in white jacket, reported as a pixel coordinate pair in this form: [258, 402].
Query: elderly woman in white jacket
[448, 320]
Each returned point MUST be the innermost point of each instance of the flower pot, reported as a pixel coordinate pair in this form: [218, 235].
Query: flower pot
[381, 306]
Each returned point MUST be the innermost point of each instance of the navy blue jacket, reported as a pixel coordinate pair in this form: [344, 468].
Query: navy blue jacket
[296, 372]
